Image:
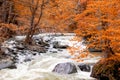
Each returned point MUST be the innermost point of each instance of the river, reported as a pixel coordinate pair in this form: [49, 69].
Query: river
[41, 67]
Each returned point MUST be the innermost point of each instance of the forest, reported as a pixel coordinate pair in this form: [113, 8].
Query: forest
[51, 39]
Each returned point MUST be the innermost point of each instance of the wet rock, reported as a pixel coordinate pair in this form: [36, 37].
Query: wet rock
[44, 44]
[57, 45]
[41, 42]
[84, 67]
[27, 59]
[20, 47]
[60, 50]
[107, 69]
[37, 48]
[17, 49]
[7, 64]
[53, 51]
[65, 68]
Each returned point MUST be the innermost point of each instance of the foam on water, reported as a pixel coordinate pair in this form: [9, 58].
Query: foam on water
[41, 67]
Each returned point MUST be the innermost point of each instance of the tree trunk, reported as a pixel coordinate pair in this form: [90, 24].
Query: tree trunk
[33, 25]
[4, 12]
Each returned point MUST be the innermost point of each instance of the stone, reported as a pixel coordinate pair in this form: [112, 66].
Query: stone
[27, 59]
[37, 48]
[53, 51]
[107, 69]
[60, 50]
[84, 67]
[57, 45]
[20, 47]
[7, 64]
[41, 42]
[65, 68]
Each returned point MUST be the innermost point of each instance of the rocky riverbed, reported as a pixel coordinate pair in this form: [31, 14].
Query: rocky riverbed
[48, 59]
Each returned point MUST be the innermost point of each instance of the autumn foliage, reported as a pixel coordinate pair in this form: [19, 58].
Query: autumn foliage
[97, 21]
[99, 24]
[7, 31]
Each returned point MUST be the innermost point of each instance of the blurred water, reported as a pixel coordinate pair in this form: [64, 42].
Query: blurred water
[41, 67]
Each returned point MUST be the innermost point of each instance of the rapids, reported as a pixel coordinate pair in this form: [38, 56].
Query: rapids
[40, 68]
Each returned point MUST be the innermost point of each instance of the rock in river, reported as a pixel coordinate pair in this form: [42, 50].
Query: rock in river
[65, 68]
[84, 67]
[7, 64]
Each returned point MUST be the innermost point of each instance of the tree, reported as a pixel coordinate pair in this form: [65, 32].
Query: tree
[34, 12]
[55, 17]
[33, 9]
[7, 14]
[59, 14]
[99, 24]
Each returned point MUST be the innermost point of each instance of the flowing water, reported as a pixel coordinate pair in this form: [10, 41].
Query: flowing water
[41, 67]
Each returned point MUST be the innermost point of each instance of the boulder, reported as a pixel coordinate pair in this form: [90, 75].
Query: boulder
[107, 69]
[65, 68]
[84, 67]
[7, 64]
[57, 45]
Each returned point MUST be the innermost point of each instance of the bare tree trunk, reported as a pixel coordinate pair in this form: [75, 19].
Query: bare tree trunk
[33, 25]
[9, 13]
[28, 39]
[4, 12]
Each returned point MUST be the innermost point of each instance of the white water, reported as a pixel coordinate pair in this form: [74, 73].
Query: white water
[41, 67]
